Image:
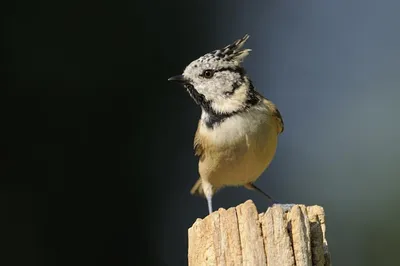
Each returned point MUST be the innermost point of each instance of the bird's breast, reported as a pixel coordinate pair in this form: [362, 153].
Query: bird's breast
[239, 149]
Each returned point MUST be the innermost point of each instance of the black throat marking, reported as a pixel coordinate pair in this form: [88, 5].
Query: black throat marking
[214, 119]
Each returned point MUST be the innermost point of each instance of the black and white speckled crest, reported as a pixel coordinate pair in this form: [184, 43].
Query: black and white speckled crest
[230, 52]
[229, 55]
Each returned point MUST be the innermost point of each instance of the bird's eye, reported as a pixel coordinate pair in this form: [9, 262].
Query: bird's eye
[208, 73]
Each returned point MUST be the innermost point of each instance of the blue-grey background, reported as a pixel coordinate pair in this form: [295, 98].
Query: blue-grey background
[97, 160]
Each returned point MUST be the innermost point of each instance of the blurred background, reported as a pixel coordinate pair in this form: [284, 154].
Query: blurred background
[96, 157]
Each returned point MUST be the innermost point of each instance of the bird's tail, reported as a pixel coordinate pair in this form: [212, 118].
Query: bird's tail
[197, 189]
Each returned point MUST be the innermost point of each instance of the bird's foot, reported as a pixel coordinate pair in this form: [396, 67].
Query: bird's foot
[286, 206]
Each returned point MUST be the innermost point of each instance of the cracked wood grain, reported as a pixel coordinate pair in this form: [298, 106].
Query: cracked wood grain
[282, 236]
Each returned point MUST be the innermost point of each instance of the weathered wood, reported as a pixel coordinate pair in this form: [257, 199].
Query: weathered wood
[282, 236]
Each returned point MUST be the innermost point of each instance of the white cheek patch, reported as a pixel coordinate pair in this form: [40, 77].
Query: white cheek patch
[231, 103]
[204, 116]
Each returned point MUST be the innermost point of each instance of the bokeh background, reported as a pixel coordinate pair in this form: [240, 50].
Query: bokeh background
[96, 154]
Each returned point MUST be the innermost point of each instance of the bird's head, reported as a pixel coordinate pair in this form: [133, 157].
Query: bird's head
[216, 81]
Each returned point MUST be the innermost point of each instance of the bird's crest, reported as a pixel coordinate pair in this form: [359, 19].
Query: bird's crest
[232, 51]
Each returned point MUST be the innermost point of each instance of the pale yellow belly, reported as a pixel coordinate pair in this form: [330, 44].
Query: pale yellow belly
[242, 162]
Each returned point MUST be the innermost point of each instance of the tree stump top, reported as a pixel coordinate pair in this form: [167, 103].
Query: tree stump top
[285, 235]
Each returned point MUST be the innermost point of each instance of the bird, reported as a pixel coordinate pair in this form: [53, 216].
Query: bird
[237, 133]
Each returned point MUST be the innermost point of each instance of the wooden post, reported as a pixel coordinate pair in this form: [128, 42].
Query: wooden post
[285, 235]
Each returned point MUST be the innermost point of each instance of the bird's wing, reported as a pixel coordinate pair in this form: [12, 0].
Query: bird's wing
[198, 144]
[200, 147]
[275, 114]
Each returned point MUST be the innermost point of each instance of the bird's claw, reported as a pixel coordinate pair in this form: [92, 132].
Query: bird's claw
[286, 207]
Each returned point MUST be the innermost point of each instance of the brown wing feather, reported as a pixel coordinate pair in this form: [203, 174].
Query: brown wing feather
[277, 115]
[197, 188]
[200, 147]
[275, 112]
[198, 144]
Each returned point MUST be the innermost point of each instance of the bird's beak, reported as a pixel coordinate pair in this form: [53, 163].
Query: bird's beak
[179, 79]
